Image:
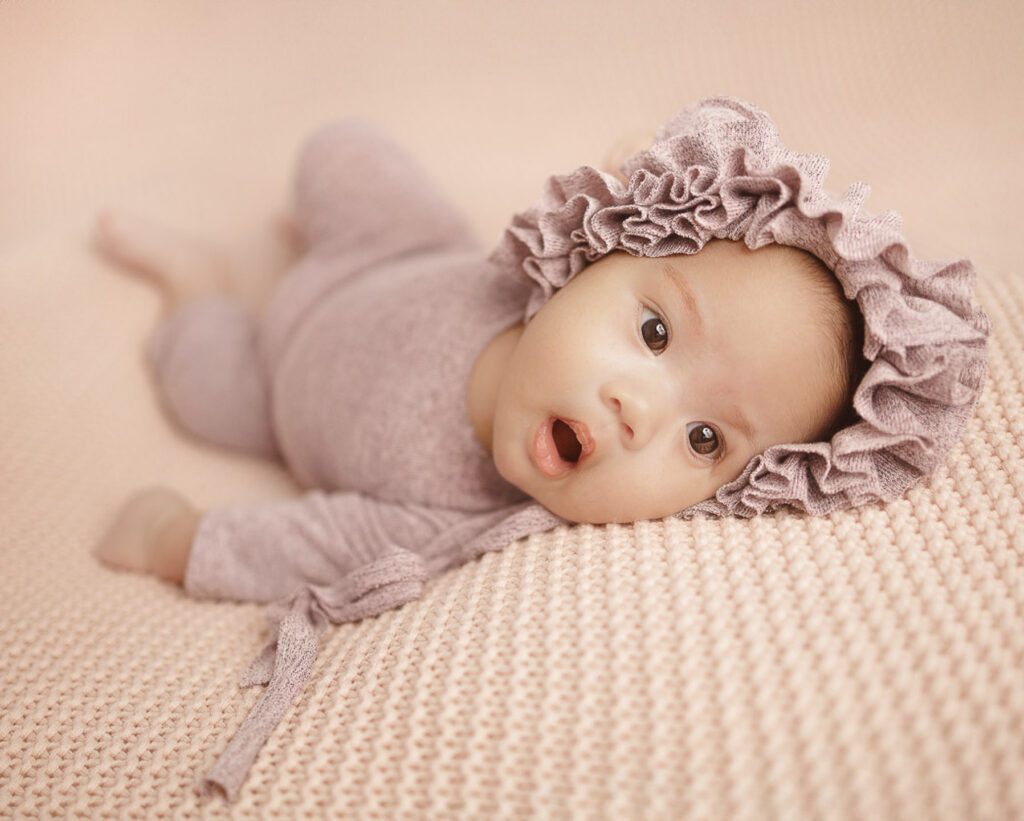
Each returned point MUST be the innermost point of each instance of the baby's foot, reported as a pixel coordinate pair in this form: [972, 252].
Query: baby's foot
[152, 533]
[183, 268]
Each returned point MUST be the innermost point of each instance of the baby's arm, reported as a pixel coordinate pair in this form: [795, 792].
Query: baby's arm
[152, 533]
[264, 551]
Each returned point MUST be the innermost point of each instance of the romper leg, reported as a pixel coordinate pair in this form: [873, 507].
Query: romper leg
[361, 197]
[208, 365]
[359, 202]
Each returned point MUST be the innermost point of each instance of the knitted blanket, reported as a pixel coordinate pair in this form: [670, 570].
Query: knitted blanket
[867, 663]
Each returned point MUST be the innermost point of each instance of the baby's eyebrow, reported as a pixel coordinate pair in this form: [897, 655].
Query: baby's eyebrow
[677, 282]
[737, 419]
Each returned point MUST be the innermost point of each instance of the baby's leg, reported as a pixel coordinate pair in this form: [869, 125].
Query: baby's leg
[206, 355]
[153, 533]
[182, 268]
[361, 199]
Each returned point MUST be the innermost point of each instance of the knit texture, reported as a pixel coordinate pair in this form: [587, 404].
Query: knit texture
[860, 665]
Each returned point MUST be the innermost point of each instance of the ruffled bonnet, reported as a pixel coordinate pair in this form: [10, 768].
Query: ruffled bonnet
[719, 170]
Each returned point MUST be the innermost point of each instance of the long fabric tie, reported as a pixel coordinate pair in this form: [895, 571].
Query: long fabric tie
[296, 623]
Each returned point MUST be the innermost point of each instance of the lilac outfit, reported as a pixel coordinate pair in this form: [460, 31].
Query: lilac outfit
[356, 377]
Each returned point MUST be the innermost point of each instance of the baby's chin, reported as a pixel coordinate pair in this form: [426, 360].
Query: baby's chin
[603, 511]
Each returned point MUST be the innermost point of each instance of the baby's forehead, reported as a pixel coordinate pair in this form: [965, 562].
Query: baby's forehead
[720, 255]
[758, 303]
[726, 275]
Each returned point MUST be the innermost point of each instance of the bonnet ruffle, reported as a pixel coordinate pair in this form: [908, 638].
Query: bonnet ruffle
[719, 170]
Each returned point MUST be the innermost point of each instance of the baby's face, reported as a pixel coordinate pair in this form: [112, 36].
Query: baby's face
[644, 385]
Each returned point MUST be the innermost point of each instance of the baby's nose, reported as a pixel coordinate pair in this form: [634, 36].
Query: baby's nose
[636, 410]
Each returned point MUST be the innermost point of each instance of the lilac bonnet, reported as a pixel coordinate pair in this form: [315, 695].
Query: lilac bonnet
[719, 170]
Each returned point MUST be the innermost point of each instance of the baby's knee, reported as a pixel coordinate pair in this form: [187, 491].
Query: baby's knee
[359, 193]
[336, 157]
[208, 365]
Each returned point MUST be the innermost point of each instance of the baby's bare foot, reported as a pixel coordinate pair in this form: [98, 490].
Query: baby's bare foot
[183, 268]
[152, 533]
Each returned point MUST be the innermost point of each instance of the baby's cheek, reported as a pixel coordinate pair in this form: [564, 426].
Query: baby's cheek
[504, 466]
[669, 486]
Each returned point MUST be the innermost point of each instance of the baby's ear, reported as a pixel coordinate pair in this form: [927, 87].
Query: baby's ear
[624, 148]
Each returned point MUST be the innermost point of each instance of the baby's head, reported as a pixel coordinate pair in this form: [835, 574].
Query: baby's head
[847, 402]
[645, 384]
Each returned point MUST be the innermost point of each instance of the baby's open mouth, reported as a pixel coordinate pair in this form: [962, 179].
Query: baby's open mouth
[560, 445]
[569, 447]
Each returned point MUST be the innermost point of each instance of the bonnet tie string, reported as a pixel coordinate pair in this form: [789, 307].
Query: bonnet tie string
[296, 623]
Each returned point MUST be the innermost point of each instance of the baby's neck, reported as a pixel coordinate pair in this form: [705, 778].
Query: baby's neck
[485, 380]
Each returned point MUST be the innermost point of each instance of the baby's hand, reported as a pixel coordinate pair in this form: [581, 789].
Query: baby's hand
[152, 533]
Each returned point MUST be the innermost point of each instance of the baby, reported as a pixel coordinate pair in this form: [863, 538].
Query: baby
[624, 354]
[638, 390]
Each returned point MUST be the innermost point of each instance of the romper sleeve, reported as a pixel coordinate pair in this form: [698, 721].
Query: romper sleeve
[266, 551]
[326, 558]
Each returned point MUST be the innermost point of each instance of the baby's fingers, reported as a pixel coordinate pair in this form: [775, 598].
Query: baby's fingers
[151, 533]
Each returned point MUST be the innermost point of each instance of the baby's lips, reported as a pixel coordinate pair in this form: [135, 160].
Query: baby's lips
[583, 437]
[545, 452]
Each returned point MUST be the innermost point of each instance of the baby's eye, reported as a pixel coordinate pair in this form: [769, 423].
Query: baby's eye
[654, 331]
[704, 439]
